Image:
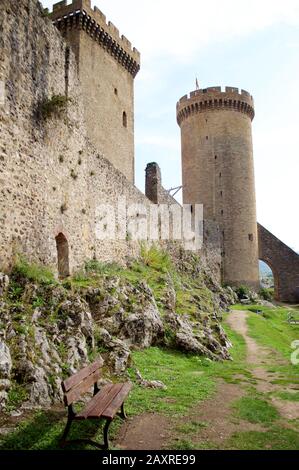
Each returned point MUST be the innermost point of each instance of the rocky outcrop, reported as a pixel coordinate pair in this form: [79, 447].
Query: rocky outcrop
[48, 332]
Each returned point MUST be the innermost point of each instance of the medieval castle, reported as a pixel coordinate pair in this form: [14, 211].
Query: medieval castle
[67, 144]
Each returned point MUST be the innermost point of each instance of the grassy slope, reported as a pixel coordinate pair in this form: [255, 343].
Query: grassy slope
[189, 380]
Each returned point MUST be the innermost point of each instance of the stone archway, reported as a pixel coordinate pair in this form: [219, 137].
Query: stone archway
[284, 263]
[62, 256]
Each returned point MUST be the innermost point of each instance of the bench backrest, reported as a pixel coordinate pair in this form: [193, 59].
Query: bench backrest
[81, 382]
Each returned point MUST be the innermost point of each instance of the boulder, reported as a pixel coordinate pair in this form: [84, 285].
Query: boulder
[145, 328]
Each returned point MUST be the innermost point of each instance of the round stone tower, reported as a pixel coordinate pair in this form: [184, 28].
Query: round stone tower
[218, 172]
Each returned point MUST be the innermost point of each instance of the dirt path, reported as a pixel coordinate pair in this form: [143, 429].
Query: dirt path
[258, 358]
[145, 432]
[151, 431]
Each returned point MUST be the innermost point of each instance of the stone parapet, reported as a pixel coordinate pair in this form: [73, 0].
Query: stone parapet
[79, 15]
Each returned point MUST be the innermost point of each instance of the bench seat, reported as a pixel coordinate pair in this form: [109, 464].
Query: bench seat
[106, 402]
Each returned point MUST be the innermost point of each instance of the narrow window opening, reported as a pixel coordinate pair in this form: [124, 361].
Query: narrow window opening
[216, 157]
[125, 119]
[116, 91]
[250, 236]
[207, 137]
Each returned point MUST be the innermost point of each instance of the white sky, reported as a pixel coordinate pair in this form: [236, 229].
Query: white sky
[251, 44]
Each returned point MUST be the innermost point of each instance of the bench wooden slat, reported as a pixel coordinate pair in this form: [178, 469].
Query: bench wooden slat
[99, 406]
[75, 393]
[83, 414]
[81, 375]
[116, 403]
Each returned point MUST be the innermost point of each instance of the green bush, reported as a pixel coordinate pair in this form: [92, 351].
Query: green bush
[242, 292]
[17, 395]
[156, 258]
[54, 106]
[267, 294]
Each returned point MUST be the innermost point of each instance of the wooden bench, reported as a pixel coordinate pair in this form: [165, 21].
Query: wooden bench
[105, 403]
[292, 320]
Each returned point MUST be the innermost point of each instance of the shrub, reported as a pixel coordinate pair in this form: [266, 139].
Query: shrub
[17, 395]
[156, 258]
[267, 294]
[54, 106]
[242, 292]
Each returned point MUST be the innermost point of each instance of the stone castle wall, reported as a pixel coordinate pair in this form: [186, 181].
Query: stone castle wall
[218, 172]
[51, 177]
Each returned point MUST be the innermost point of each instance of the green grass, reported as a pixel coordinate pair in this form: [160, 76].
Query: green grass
[276, 438]
[33, 272]
[183, 444]
[43, 430]
[255, 410]
[179, 372]
[16, 396]
[273, 331]
[191, 428]
[185, 388]
[288, 396]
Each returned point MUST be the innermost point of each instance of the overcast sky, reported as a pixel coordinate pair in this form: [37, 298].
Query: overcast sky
[250, 44]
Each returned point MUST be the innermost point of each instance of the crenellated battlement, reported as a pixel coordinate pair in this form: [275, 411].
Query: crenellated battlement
[230, 98]
[80, 15]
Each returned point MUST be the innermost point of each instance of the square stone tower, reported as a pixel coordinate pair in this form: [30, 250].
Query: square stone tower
[107, 66]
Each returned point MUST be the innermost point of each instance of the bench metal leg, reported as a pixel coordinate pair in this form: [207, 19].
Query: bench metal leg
[106, 434]
[63, 440]
[122, 413]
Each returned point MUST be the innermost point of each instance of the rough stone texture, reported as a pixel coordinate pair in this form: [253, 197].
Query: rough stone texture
[284, 263]
[211, 250]
[51, 178]
[218, 172]
[153, 186]
[73, 325]
[107, 79]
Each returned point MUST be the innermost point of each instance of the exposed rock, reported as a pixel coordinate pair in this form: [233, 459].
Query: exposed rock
[266, 303]
[145, 328]
[4, 283]
[39, 346]
[119, 357]
[5, 361]
[149, 383]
